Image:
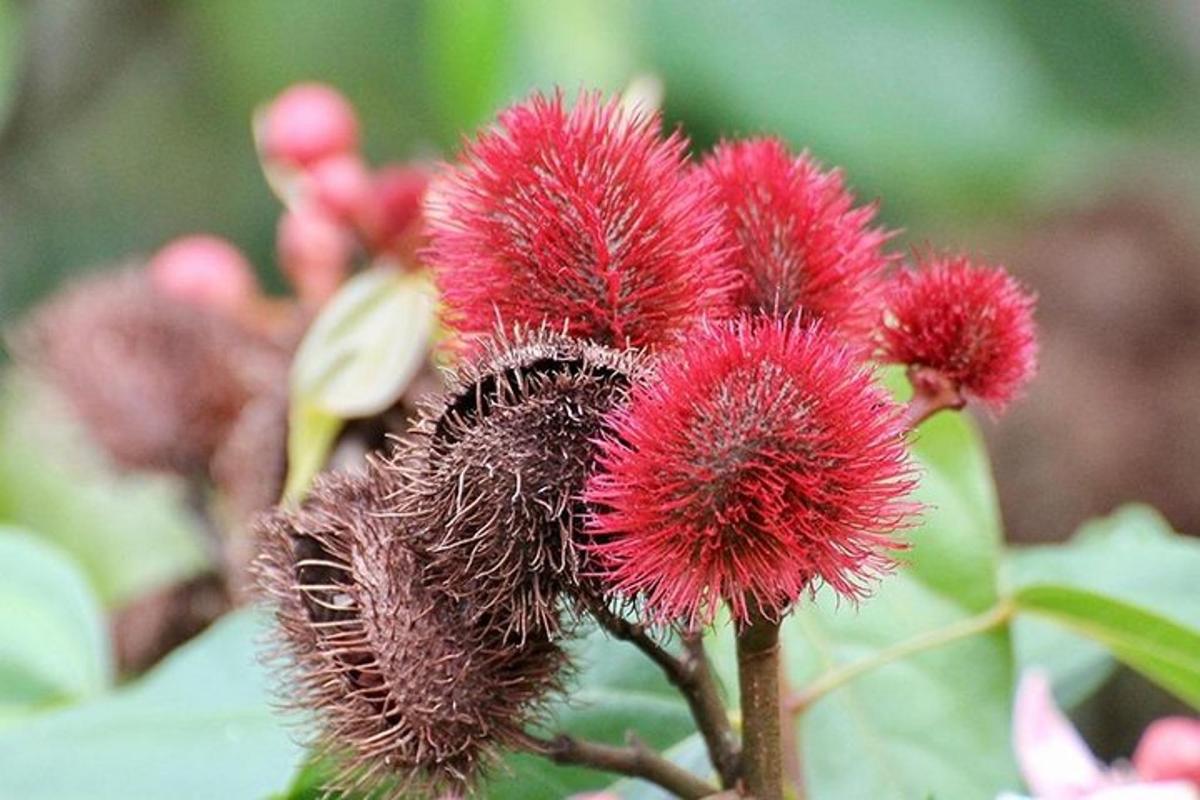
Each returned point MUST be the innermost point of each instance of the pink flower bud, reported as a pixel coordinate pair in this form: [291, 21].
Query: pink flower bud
[309, 122]
[392, 221]
[1170, 750]
[204, 271]
[314, 251]
[341, 186]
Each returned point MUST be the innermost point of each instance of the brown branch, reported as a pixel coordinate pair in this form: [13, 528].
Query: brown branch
[932, 392]
[692, 675]
[758, 676]
[635, 760]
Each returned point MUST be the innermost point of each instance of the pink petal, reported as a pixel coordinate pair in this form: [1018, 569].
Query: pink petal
[1054, 760]
[1174, 790]
[1169, 750]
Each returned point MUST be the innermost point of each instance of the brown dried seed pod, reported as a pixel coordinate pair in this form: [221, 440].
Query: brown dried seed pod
[415, 693]
[249, 470]
[496, 470]
[156, 382]
[250, 466]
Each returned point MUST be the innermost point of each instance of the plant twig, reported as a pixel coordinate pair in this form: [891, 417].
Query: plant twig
[932, 392]
[693, 676]
[635, 760]
[836, 678]
[758, 677]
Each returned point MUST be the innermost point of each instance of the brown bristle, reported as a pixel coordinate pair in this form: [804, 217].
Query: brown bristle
[157, 383]
[415, 693]
[496, 470]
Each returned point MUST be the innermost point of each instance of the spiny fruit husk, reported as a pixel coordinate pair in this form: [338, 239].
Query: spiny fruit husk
[495, 472]
[415, 693]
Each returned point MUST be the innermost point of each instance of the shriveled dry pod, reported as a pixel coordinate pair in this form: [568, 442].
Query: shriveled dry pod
[156, 382]
[496, 471]
[414, 692]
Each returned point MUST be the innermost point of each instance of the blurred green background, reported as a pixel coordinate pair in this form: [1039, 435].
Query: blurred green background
[1024, 130]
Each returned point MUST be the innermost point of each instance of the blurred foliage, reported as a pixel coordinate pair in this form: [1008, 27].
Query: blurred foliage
[129, 533]
[54, 649]
[197, 726]
[135, 126]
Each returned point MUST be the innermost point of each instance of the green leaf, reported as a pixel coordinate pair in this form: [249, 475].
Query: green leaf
[937, 722]
[128, 533]
[312, 433]
[1161, 649]
[53, 643]
[356, 359]
[1131, 555]
[197, 726]
[956, 550]
[366, 344]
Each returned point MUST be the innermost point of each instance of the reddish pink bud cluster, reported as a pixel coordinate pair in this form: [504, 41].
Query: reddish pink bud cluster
[763, 457]
[309, 135]
[802, 245]
[669, 402]
[309, 122]
[204, 271]
[580, 217]
[970, 325]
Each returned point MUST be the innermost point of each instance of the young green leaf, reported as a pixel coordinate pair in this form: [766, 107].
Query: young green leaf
[1165, 651]
[1131, 555]
[367, 343]
[355, 361]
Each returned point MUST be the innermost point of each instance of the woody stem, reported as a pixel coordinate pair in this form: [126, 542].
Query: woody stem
[635, 760]
[932, 392]
[758, 677]
[693, 676]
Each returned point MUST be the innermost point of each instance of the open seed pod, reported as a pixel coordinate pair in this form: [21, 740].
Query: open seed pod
[496, 470]
[414, 691]
[156, 382]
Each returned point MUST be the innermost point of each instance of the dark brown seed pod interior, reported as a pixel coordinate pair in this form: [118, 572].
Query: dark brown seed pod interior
[414, 693]
[497, 469]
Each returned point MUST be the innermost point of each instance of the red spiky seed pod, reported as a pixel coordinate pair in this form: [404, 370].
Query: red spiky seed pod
[413, 693]
[157, 383]
[761, 461]
[580, 217]
[803, 246]
[966, 325]
[495, 470]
